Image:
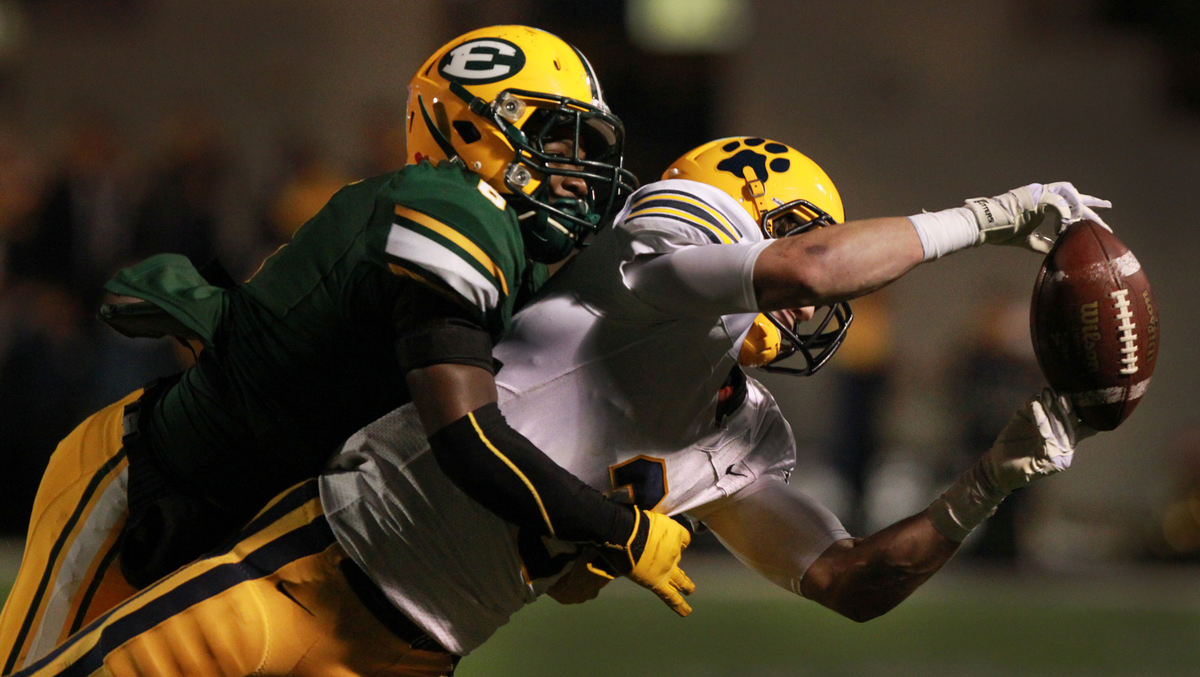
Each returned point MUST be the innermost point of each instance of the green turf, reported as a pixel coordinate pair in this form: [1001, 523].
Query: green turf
[962, 629]
[1143, 624]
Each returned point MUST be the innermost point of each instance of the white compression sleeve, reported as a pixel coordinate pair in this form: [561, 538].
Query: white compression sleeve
[775, 529]
[700, 281]
[946, 231]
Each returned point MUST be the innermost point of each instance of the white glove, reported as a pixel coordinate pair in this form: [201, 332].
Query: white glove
[1038, 441]
[1014, 217]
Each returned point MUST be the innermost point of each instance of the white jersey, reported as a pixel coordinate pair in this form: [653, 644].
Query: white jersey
[613, 372]
[616, 355]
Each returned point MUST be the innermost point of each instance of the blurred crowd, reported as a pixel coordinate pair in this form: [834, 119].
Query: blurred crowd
[72, 215]
[869, 478]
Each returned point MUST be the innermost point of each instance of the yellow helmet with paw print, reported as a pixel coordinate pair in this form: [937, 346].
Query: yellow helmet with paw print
[768, 178]
[787, 194]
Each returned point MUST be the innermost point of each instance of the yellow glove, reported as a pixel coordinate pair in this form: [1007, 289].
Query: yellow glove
[653, 552]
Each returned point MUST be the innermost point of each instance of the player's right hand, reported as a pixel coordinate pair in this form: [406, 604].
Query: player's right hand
[1014, 217]
[653, 553]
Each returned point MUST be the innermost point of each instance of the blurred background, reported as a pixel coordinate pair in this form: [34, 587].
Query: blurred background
[215, 128]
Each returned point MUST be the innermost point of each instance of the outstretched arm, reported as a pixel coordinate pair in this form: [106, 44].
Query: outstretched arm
[827, 265]
[775, 530]
[865, 578]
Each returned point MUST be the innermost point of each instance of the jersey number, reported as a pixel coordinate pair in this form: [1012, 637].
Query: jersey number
[642, 479]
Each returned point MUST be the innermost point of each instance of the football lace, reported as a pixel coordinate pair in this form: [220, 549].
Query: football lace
[1128, 338]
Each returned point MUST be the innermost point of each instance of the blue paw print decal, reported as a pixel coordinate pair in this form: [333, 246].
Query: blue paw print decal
[749, 154]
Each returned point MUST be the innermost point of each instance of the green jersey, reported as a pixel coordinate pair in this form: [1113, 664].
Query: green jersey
[304, 353]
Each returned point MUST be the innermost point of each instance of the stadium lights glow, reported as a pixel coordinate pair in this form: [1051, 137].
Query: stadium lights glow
[687, 26]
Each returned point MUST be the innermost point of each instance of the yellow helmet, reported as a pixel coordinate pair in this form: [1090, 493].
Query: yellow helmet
[768, 178]
[787, 194]
[492, 99]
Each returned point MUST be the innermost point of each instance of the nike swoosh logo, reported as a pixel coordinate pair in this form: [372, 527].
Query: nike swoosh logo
[735, 471]
[283, 591]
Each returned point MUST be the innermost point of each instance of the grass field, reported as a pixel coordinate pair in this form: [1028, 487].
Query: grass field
[964, 623]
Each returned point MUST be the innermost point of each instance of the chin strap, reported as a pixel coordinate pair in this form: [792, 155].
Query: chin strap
[757, 192]
[477, 105]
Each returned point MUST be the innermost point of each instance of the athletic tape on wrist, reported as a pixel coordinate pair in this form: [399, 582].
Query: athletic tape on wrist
[946, 231]
[964, 505]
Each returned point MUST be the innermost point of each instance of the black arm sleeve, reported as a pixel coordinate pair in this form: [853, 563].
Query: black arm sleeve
[495, 465]
[433, 330]
[445, 340]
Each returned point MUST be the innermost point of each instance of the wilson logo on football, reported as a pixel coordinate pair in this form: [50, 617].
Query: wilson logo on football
[482, 61]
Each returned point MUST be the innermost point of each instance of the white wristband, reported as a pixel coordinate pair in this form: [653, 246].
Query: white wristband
[946, 231]
[965, 504]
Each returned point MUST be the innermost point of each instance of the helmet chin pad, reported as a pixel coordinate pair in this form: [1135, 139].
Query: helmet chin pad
[762, 343]
[551, 227]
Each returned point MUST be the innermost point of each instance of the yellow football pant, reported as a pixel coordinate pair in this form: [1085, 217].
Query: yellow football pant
[276, 603]
[68, 573]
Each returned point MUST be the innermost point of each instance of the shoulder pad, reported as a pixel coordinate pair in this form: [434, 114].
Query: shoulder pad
[451, 231]
[705, 212]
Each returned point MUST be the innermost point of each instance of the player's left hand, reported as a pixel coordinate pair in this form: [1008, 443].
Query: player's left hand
[1039, 440]
[1015, 217]
[581, 583]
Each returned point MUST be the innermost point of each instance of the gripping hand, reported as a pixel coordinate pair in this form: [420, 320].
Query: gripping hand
[651, 557]
[1038, 441]
[581, 583]
[1014, 217]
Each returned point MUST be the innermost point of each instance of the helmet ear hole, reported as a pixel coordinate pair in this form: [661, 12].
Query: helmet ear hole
[467, 130]
[441, 119]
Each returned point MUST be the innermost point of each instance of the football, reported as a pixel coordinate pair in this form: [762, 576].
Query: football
[1095, 324]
